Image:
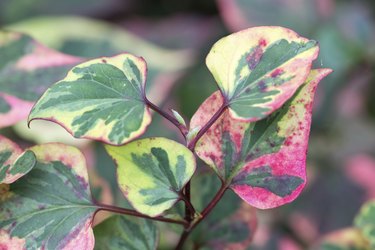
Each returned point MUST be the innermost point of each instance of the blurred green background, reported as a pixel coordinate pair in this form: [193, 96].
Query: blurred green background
[175, 36]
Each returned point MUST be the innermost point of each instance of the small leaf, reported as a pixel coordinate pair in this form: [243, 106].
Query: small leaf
[365, 221]
[125, 232]
[263, 162]
[13, 162]
[102, 99]
[259, 69]
[179, 118]
[27, 69]
[192, 133]
[151, 172]
[50, 207]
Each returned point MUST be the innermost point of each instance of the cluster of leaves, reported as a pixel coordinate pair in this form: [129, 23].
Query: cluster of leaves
[253, 132]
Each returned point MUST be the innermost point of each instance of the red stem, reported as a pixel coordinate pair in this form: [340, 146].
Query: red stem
[120, 210]
[207, 126]
[167, 116]
[204, 214]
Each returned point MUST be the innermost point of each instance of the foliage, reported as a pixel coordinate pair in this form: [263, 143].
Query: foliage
[253, 132]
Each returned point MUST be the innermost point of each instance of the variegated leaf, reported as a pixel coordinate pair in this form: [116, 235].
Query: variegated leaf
[14, 163]
[27, 69]
[50, 207]
[101, 99]
[151, 172]
[263, 162]
[258, 69]
[365, 221]
[126, 233]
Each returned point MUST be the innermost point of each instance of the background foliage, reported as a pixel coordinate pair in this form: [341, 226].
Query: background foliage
[174, 37]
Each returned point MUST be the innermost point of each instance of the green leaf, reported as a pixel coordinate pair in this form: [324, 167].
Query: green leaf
[263, 162]
[13, 162]
[27, 69]
[125, 232]
[259, 69]
[50, 207]
[102, 99]
[151, 172]
[365, 221]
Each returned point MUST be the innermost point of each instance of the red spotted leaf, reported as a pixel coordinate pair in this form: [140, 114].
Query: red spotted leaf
[263, 162]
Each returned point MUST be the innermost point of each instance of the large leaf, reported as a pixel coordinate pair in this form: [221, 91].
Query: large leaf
[258, 69]
[101, 99]
[151, 172]
[27, 69]
[50, 207]
[125, 232]
[365, 221]
[13, 162]
[263, 162]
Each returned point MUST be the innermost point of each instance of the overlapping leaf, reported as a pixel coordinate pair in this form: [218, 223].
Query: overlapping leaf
[151, 172]
[124, 232]
[27, 69]
[258, 69]
[13, 162]
[100, 99]
[345, 239]
[263, 162]
[365, 221]
[50, 207]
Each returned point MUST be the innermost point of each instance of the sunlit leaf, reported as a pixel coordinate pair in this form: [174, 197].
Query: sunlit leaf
[263, 162]
[27, 69]
[365, 221]
[125, 232]
[50, 207]
[101, 99]
[151, 172]
[258, 69]
[13, 162]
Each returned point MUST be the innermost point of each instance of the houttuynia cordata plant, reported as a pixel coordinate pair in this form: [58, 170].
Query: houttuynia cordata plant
[253, 132]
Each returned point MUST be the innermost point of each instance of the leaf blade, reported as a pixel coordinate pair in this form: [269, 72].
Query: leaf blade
[101, 99]
[256, 69]
[267, 165]
[151, 172]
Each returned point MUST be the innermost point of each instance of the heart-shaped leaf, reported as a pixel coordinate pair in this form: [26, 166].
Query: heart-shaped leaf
[263, 162]
[125, 232]
[101, 99]
[50, 207]
[365, 221]
[13, 162]
[258, 69]
[27, 69]
[151, 172]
